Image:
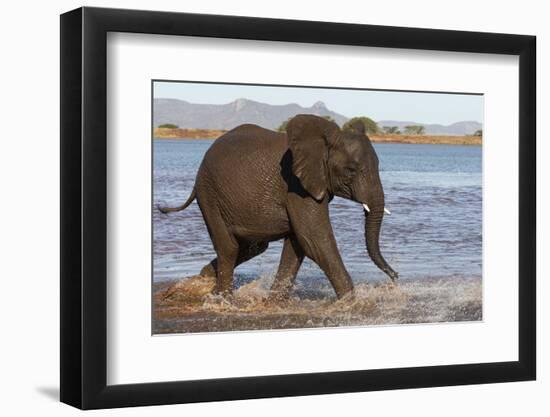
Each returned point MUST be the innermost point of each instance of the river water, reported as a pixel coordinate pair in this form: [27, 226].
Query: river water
[435, 230]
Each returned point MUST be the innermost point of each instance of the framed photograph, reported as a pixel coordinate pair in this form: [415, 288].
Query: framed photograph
[256, 208]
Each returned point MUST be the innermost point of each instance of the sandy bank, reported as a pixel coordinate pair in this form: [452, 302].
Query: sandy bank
[166, 133]
[428, 140]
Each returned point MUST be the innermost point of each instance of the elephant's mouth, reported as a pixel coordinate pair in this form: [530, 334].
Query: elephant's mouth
[367, 209]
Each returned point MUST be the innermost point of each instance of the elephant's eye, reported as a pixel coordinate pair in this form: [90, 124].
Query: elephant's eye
[349, 171]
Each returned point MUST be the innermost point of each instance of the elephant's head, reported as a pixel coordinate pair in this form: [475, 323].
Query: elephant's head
[328, 160]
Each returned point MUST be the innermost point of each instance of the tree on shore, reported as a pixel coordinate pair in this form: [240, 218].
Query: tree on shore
[478, 132]
[371, 127]
[414, 130]
[168, 126]
[391, 130]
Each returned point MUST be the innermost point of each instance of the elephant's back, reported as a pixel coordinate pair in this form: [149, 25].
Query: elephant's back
[251, 137]
[247, 148]
[243, 169]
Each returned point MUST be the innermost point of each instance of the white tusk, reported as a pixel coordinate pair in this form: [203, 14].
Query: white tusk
[366, 208]
[387, 211]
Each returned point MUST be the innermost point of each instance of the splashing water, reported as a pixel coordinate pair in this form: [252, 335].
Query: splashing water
[189, 306]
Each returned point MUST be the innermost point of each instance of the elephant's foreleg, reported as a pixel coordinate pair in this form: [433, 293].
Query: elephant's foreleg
[324, 252]
[247, 251]
[291, 259]
[313, 231]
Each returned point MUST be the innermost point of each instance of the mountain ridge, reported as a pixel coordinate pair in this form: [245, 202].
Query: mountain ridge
[227, 116]
[465, 127]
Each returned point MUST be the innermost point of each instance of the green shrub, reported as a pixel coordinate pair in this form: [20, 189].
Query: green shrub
[391, 130]
[371, 127]
[414, 130]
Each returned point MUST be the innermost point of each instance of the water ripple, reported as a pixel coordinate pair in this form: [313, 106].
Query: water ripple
[433, 191]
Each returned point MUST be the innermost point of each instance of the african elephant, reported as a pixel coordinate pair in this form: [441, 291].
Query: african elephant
[255, 186]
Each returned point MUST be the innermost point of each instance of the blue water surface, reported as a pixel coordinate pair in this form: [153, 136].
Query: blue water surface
[435, 230]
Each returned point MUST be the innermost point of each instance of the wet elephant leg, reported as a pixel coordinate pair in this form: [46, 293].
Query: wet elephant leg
[224, 278]
[324, 252]
[291, 260]
[225, 245]
[311, 225]
[247, 251]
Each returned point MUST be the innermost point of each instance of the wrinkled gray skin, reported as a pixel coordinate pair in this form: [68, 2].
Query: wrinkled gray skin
[255, 186]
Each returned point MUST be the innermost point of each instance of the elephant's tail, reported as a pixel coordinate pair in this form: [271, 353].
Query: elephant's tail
[182, 207]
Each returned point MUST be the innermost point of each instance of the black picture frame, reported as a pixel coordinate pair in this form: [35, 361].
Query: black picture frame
[84, 207]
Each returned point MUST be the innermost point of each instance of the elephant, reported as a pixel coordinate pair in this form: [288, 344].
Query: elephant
[255, 186]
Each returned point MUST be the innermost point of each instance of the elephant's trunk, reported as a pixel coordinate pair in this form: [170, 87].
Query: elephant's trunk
[373, 223]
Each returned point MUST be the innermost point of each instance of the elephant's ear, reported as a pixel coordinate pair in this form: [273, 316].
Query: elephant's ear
[308, 139]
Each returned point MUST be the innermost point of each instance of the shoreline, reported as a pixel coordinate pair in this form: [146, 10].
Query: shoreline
[212, 134]
[428, 139]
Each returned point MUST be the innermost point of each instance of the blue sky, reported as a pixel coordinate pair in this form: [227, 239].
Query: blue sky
[378, 105]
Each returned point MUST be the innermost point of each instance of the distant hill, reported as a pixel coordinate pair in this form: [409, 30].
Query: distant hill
[455, 129]
[227, 116]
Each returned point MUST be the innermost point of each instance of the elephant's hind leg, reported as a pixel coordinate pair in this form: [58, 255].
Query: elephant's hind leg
[224, 278]
[291, 260]
[247, 251]
[225, 245]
